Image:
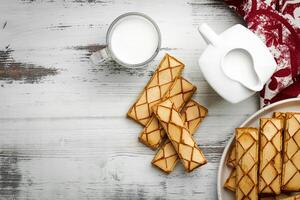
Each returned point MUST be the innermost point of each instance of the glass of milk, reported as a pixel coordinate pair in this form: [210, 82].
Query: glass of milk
[133, 40]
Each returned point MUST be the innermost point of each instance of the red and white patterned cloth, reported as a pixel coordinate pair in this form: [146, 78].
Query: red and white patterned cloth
[277, 23]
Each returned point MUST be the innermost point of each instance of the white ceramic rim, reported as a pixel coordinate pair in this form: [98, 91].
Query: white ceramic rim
[222, 161]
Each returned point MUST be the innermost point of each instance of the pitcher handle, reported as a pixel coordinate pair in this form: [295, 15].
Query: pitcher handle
[208, 34]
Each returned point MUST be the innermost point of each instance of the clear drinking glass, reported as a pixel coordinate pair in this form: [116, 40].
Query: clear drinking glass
[108, 53]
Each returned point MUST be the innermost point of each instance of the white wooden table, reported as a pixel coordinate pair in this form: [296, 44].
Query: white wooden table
[63, 130]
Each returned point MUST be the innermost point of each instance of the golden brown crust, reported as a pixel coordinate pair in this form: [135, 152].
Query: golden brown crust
[166, 157]
[184, 144]
[270, 156]
[293, 197]
[246, 163]
[280, 115]
[179, 93]
[167, 71]
[230, 181]
[230, 161]
[291, 153]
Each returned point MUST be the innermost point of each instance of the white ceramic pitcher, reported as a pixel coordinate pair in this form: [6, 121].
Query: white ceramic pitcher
[236, 63]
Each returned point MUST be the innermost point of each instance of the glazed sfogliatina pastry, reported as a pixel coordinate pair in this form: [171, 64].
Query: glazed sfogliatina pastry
[291, 153]
[270, 161]
[179, 93]
[167, 71]
[184, 144]
[166, 157]
[246, 163]
[231, 156]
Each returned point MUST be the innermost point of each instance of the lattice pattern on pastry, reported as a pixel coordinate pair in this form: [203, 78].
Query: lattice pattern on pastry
[270, 164]
[184, 144]
[280, 115]
[193, 114]
[168, 69]
[180, 93]
[246, 163]
[166, 157]
[291, 156]
[231, 155]
[230, 181]
[230, 162]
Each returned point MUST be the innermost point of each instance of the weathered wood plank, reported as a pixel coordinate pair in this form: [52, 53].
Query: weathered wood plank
[63, 133]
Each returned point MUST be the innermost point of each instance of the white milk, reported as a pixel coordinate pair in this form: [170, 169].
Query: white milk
[134, 40]
[239, 66]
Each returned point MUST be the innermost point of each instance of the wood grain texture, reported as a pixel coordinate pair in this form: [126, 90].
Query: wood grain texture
[64, 134]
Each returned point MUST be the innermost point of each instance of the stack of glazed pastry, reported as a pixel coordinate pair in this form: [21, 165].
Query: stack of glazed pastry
[170, 117]
[265, 162]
